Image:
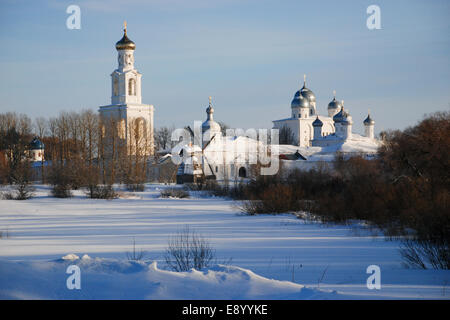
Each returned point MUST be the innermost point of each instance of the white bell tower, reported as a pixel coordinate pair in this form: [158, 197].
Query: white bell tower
[126, 117]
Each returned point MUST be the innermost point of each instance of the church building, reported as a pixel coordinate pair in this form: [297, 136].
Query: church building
[311, 129]
[126, 119]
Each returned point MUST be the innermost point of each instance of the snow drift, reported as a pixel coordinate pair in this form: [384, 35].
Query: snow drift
[123, 279]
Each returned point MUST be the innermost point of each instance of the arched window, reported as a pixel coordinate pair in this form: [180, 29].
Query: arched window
[140, 129]
[131, 87]
[242, 172]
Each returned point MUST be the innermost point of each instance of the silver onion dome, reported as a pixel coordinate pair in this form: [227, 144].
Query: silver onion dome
[334, 104]
[210, 124]
[299, 101]
[308, 94]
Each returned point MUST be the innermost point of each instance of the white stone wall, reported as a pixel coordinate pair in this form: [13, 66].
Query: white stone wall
[369, 131]
[303, 129]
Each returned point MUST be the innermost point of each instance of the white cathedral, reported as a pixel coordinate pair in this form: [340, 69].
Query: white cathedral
[126, 117]
[311, 129]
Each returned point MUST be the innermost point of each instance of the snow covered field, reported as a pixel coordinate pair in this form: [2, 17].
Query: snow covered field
[289, 258]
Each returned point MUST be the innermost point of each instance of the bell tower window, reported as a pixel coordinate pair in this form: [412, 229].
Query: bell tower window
[131, 87]
[116, 86]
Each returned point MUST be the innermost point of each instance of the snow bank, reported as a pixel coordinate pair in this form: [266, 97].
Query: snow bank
[123, 279]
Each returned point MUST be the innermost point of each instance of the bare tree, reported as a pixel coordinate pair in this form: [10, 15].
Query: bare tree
[286, 135]
[40, 127]
[188, 250]
[163, 138]
[22, 181]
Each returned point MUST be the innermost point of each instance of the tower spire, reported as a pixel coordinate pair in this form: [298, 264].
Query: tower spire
[210, 110]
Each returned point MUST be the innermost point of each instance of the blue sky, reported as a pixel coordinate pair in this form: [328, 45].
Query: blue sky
[249, 55]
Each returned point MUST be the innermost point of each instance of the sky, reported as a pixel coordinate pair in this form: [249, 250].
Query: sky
[250, 56]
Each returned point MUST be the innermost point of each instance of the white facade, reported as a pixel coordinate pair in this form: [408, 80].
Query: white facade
[303, 114]
[223, 158]
[219, 157]
[230, 158]
[37, 155]
[126, 117]
[310, 129]
[36, 150]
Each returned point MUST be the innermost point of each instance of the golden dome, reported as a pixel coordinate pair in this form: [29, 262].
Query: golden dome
[125, 43]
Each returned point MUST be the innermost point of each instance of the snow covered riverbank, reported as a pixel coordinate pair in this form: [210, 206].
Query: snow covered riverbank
[36, 233]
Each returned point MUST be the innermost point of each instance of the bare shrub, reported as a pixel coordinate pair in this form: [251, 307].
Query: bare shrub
[418, 253]
[24, 190]
[167, 172]
[101, 192]
[192, 187]
[7, 195]
[187, 250]
[60, 179]
[174, 193]
[135, 174]
[277, 198]
[135, 255]
[235, 191]
[61, 191]
[22, 182]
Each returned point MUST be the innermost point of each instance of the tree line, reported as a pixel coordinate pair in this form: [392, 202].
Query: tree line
[81, 150]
